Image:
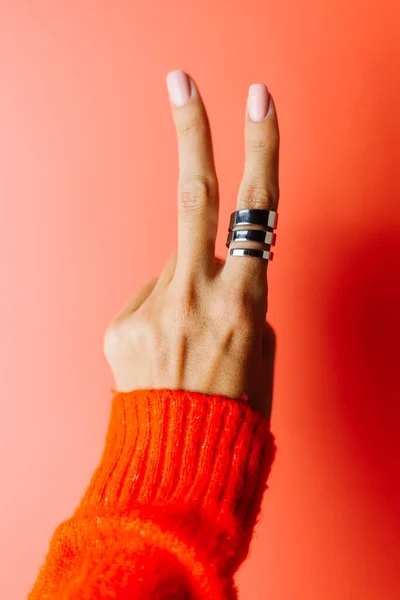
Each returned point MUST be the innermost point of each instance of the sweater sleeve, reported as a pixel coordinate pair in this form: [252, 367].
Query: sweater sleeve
[171, 508]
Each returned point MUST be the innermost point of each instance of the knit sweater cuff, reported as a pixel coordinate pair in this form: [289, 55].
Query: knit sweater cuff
[182, 449]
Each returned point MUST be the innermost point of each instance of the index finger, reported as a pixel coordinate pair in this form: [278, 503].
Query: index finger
[198, 187]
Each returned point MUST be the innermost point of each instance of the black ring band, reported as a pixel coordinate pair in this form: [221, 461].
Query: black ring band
[254, 216]
[251, 235]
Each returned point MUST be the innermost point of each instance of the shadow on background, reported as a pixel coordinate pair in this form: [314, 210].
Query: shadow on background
[364, 338]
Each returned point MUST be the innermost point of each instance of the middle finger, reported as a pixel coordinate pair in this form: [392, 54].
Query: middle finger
[259, 188]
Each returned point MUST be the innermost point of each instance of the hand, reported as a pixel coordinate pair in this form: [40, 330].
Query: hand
[201, 325]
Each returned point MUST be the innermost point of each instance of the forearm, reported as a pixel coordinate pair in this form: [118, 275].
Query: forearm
[171, 507]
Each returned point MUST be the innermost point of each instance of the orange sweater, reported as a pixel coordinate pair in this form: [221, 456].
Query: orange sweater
[171, 508]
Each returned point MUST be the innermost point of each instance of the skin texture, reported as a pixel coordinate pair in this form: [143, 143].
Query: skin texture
[201, 325]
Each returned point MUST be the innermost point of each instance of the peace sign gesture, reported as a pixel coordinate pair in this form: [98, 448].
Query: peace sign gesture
[201, 325]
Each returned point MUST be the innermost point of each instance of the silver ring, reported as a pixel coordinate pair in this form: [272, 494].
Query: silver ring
[265, 254]
[254, 216]
[251, 235]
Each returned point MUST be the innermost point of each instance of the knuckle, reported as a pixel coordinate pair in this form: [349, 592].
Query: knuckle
[192, 126]
[131, 331]
[258, 196]
[197, 192]
[145, 334]
[259, 144]
[237, 309]
[241, 309]
[112, 338]
[142, 332]
[265, 143]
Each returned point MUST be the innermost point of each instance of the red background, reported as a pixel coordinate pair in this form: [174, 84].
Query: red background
[88, 170]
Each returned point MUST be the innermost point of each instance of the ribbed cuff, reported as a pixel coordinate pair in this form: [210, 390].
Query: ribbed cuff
[181, 448]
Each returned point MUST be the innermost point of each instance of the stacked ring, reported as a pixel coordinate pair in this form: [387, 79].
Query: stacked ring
[267, 219]
[254, 216]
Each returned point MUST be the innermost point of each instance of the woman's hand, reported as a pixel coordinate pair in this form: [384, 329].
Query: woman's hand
[201, 325]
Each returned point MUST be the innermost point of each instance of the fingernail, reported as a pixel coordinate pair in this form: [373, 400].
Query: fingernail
[258, 102]
[179, 87]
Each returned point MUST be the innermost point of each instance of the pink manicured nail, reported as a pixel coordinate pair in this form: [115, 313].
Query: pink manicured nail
[179, 88]
[258, 102]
